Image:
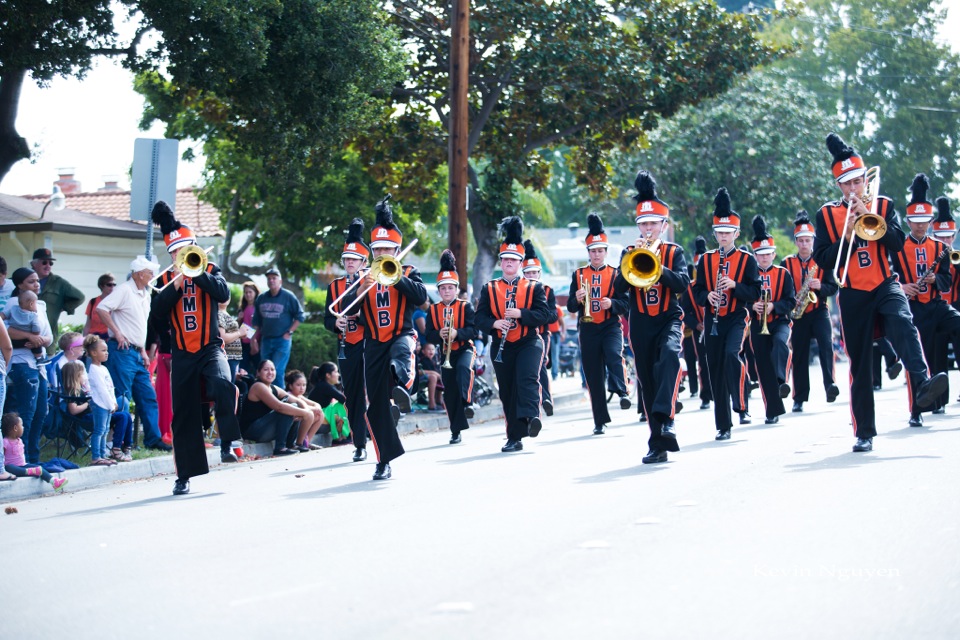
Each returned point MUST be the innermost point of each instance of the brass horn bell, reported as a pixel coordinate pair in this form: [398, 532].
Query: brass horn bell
[641, 266]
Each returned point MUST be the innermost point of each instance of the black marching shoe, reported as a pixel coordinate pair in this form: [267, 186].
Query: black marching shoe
[704, 405]
[753, 385]
[160, 446]
[547, 407]
[625, 402]
[395, 414]
[469, 411]
[930, 390]
[643, 417]
[723, 435]
[226, 455]
[784, 390]
[359, 455]
[534, 426]
[832, 392]
[181, 487]
[382, 471]
[511, 446]
[455, 438]
[745, 418]
[654, 455]
[894, 370]
[401, 398]
[877, 387]
[798, 407]
[773, 420]
[677, 407]
[915, 420]
[863, 444]
[667, 430]
[599, 429]
[939, 411]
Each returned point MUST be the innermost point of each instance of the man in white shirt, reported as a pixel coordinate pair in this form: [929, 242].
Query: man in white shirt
[125, 312]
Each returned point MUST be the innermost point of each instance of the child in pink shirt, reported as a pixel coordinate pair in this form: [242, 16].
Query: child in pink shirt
[14, 461]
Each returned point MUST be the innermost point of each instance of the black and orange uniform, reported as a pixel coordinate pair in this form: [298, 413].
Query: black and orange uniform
[458, 380]
[601, 341]
[351, 365]
[773, 351]
[518, 375]
[199, 368]
[814, 324]
[870, 295]
[547, 334]
[698, 375]
[656, 334]
[931, 313]
[728, 373]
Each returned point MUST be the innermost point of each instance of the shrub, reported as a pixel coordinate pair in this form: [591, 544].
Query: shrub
[312, 345]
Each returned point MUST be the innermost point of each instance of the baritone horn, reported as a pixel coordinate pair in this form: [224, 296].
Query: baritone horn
[641, 266]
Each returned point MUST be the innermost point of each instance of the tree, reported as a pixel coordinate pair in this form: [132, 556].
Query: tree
[592, 75]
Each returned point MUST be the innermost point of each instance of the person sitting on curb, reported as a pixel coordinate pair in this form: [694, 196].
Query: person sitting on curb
[14, 462]
[269, 413]
[296, 384]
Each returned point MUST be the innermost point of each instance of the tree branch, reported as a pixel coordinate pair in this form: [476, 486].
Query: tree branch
[488, 105]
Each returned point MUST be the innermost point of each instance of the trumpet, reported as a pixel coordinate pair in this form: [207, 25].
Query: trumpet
[448, 341]
[587, 302]
[641, 266]
[191, 261]
[386, 270]
[867, 226]
[765, 297]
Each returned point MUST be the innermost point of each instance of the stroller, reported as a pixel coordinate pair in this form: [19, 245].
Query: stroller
[570, 355]
[482, 391]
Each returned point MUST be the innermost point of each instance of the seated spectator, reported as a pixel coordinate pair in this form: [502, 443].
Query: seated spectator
[71, 348]
[14, 462]
[6, 350]
[269, 413]
[95, 324]
[76, 402]
[327, 392]
[24, 317]
[429, 369]
[296, 384]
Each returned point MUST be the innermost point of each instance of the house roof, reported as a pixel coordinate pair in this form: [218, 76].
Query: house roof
[23, 214]
[202, 218]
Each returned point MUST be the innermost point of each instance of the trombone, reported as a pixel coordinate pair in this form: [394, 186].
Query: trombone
[641, 266]
[868, 226]
[386, 270]
[190, 262]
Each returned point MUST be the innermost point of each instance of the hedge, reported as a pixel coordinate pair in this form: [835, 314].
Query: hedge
[312, 345]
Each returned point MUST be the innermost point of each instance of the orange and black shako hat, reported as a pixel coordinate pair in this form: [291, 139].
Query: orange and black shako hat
[175, 234]
[596, 239]
[762, 241]
[530, 260]
[919, 208]
[354, 246]
[847, 163]
[699, 248]
[802, 227]
[511, 229]
[448, 269]
[724, 218]
[385, 233]
[649, 206]
[944, 225]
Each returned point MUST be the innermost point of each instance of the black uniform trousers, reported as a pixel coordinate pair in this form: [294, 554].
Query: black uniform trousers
[696, 356]
[601, 354]
[518, 379]
[547, 338]
[656, 352]
[750, 358]
[859, 310]
[813, 325]
[933, 319]
[773, 357]
[882, 351]
[458, 387]
[200, 377]
[728, 373]
[355, 389]
[387, 364]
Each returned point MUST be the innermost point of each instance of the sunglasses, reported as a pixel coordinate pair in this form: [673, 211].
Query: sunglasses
[47, 263]
[110, 284]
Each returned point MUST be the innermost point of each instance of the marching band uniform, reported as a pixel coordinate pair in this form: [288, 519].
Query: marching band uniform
[696, 357]
[518, 369]
[532, 269]
[727, 371]
[772, 350]
[931, 313]
[602, 339]
[457, 380]
[814, 324]
[945, 229]
[655, 324]
[870, 294]
[351, 340]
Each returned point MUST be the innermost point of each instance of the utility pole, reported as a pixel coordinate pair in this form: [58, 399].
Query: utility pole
[458, 202]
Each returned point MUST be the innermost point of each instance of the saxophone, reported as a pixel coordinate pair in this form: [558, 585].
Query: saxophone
[805, 296]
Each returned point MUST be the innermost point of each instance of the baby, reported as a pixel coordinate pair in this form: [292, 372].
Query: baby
[25, 318]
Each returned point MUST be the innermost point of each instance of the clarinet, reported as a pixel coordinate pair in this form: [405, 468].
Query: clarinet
[342, 355]
[716, 306]
[503, 334]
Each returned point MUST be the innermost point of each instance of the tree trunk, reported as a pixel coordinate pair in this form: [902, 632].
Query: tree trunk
[13, 147]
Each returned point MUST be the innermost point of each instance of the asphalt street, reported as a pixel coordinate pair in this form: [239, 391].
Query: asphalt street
[782, 532]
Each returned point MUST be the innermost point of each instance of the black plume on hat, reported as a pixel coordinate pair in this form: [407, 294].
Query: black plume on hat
[646, 186]
[802, 218]
[838, 148]
[385, 214]
[595, 224]
[721, 204]
[760, 229]
[943, 209]
[355, 231]
[162, 215]
[448, 262]
[699, 246]
[511, 228]
[529, 253]
[919, 188]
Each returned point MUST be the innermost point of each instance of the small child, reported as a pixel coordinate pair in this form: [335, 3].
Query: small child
[103, 398]
[328, 393]
[14, 462]
[24, 317]
[296, 384]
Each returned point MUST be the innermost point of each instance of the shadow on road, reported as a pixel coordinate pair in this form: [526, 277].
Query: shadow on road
[849, 461]
[929, 426]
[710, 444]
[353, 487]
[617, 474]
[586, 436]
[139, 503]
[486, 456]
[336, 465]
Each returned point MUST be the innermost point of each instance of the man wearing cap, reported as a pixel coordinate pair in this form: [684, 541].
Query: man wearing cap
[655, 322]
[869, 291]
[773, 311]
[599, 328]
[277, 314]
[353, 258]
[923, 266]
[58, 294]
[695, 357]
[945, 230]
[815, 321]
[532, 270]
[126, 311]
[727, 283]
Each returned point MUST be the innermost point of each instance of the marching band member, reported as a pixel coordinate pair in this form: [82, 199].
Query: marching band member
[511, 309]
[695, 357]
[869, 291]
[727, 282]
[388, 356]
[450, 323]
[353, 258]
[655, 321]
[924, 270]
[532, 270]
[945, 230]
[770, 323]
[600, 333]
[814, 323]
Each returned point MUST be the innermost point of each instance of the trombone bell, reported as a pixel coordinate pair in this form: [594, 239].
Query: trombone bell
[955, 257]
[641, 267]
[870, 226]
[191, 261]
[386, 270]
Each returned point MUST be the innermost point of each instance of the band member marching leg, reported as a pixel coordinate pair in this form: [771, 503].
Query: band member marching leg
[770, 323]
[532, 270]
[727, 283]
[450, 323]
[811, 318]
[693, 351]
[354, 257]
[869, 292]
[512, 309]
[600, 333]
[652, 274]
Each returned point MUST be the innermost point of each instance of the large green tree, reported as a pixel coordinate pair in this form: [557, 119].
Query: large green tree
[594, 76]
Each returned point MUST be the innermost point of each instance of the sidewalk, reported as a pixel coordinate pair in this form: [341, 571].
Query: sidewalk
[566, 392]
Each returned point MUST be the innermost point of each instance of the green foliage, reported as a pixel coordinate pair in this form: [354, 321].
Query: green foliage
[314, 301]
[312, 345]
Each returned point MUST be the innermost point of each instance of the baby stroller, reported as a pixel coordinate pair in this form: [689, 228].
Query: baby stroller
[569, 355]
[482, 391]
